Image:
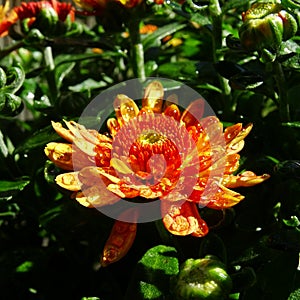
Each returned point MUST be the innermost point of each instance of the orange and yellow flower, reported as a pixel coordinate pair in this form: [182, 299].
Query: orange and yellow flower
[143, 158]
[31, 10]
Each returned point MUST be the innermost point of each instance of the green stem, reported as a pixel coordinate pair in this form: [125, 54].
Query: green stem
[217, 36]
[138, 63]
[216, 14]
[284, 108]
[50, 74]
[10, 49]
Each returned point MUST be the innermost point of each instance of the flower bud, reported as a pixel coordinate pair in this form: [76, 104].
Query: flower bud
[266, 25]
[204, 278]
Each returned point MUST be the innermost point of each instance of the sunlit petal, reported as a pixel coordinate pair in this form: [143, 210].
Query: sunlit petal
[244, 179]
[153, 96]
[183, 218]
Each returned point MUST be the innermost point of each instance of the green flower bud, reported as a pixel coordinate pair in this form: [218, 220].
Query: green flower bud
[204, 278]
[34, 36]
[266, 25]
[46, 21]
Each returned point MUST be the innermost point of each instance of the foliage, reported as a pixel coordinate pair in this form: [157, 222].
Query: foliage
[50, 245]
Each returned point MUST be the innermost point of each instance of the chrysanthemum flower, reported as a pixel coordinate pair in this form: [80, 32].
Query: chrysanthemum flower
[156, 152]
[31, 10]
[97, 7]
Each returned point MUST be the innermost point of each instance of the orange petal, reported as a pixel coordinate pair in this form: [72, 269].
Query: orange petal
[113, 126]
[232, 131]
[60, 154]
[244, 179]
[173, 111]
[69, 181]
[183, 218]
[63, 132]
[237, 143]
[153, 96]
[224, 198]
[119, 241]
[96, 196]
[194, 112]
[125, 109]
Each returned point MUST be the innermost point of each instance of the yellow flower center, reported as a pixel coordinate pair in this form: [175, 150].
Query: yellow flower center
[151, 137]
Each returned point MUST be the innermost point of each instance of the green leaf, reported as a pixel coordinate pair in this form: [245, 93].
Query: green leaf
[179, 70]
[87, 85]
[10, 188]
[292, 222]
[292, 124]
[275, 278]
[295, 295]
[3, 148]
[151, 279]
[62, 71]
[153, 40]
[38, 139]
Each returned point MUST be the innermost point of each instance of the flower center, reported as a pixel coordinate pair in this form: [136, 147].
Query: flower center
[151, 137]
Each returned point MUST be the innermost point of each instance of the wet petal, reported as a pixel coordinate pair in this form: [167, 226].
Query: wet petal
[120, 240]
[69, 181]
[173, 111]
[244, 179]
[96, 196]
[60, 154]
[237, 142]
[153, 96]
[63, 132]
[113, 126]
[125, 109]
[194, 112]
[183, 218]
[224, 198]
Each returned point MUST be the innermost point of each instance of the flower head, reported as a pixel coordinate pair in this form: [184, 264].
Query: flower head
[154, 152]
[97, 7]
[31, 11]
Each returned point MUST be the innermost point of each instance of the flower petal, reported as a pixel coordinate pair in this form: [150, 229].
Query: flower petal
[224, 198]
[244, 179]
[96, 196]
[153, 96]
[63, 132]
[125, 109]
[60, 154]
[172, 111]
[183, 218]
[113, 126]
[237, 135]
[69, 181]
[194, 112]
[119, 241]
